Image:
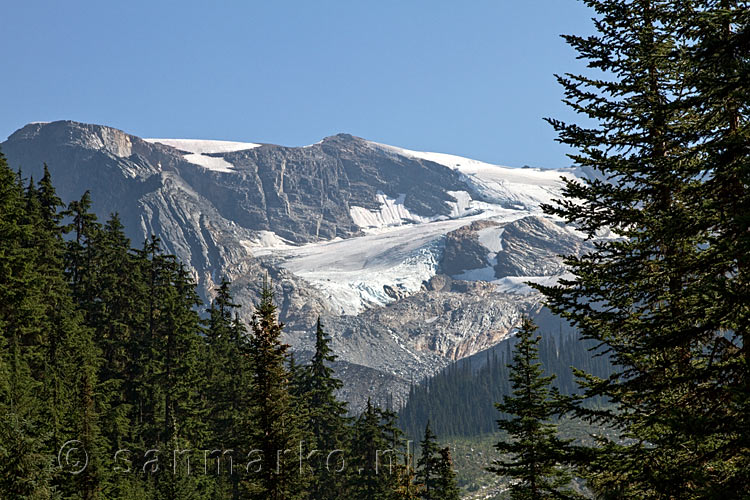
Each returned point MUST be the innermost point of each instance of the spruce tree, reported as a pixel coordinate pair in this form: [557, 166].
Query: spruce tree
[52, 358]
[396, 461]
[109, 289]
[408, 488]
[435, 477]
[178, 376]
[25, 462]
[666, 153]
[534, 451]
[373, 466]
[717, 53]
[228, 388]
[428, 465]
[326, 417]
[72, 358]
[276, 430]
[80, 258]
[446, 483]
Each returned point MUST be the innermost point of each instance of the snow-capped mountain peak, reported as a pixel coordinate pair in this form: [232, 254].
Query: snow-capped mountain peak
[412, 259]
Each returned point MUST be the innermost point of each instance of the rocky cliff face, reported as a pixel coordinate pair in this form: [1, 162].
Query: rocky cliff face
[413, 260]
[305, 194]
[531, 246]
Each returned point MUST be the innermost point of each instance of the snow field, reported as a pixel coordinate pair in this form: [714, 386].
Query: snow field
[198, 148]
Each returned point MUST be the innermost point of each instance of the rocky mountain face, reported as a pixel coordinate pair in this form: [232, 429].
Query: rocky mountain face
[413, 260]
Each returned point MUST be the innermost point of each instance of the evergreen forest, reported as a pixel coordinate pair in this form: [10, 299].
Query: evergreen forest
[116, 381]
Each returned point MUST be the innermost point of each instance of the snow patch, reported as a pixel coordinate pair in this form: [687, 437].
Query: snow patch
[521, 188]
[200, 146]
[462, 205]
[197, 150]
[209, 162]
[264, 242]
[486, 273]
[492, 238]
[392, 212]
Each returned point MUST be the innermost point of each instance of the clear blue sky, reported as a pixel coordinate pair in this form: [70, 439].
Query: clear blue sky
[472, 78]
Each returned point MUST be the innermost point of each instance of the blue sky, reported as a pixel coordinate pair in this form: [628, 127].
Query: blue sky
[471, 78]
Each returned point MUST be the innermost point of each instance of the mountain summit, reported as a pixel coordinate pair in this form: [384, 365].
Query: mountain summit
[412, 259]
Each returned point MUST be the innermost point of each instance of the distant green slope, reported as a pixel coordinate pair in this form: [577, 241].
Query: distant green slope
[459, 401]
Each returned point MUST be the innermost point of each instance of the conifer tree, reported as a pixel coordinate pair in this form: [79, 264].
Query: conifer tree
[428, 465]
[178, 375]
[72, 357]
[396, 460]
[24, 460]
[446, 483]
[717, 417]
[326, 417]
[298, 381]
[229, 385]
[116, 313]
[80, 258]
[111, 294]
[667, 156]
[370, 469]
[77, 261]
[408, 488]
[458, 401]
[379, 462]
[276, 429]
[53, 361]
[535, 451]
[162, 406]
[434, 476]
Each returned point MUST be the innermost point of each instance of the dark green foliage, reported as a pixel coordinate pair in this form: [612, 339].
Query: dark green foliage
[428, 465]
[102, 347]
[23, 437]
[532, 454]
[326, 418]
[277, 428]
[26, 464]
[373, 458]
[49, 359]
[459, 401]
[668, 143]
[446, 482]
[228, 388]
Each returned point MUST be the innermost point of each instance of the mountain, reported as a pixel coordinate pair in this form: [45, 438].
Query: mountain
[413, 260]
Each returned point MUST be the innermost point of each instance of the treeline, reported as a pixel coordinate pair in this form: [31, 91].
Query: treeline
[116, 381]
[460, 400]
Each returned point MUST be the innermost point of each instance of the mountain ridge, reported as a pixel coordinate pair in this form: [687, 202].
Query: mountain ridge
[406, 259]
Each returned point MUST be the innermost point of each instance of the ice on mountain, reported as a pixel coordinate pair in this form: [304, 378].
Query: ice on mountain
[197, 150]
[462, 205]
[491, 238]
[521, 188]
[392, 212]
[202, 146]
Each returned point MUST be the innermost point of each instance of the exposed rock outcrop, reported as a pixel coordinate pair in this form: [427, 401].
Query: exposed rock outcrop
[430, 239]
[531, 247]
